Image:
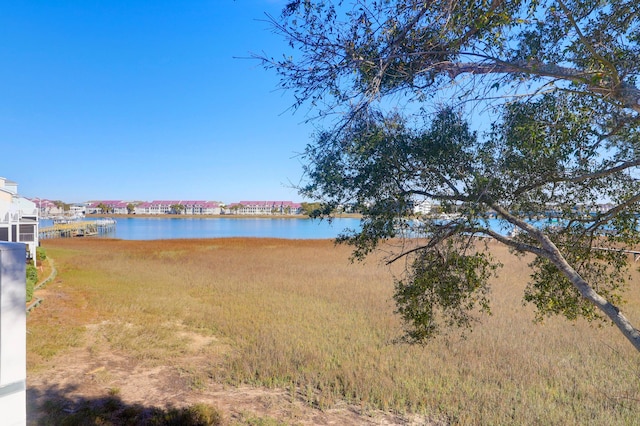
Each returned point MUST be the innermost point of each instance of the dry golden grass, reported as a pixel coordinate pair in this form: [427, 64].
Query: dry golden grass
[298, 315]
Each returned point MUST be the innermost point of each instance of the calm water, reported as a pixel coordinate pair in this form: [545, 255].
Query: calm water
[172, 228]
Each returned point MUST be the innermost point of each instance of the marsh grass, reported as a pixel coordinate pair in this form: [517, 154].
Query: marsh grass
[298, 315]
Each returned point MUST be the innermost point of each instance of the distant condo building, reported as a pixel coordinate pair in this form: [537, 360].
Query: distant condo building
[107, 206]
[193, 207]
[53, 209]
[178, 207]
[264, 208]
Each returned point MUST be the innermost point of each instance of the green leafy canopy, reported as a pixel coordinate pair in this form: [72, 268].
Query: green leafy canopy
[515, 110]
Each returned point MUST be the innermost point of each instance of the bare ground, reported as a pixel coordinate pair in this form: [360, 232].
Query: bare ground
[88, 373]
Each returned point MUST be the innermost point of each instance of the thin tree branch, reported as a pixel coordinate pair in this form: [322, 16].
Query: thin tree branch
[588, 45]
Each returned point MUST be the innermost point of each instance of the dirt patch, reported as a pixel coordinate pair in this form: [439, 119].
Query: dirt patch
[89, 372]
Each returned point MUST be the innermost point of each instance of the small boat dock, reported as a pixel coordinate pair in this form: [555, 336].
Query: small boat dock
[83, 228]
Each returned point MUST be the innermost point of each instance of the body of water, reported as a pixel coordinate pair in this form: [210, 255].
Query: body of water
[162, 228]
[173, 228]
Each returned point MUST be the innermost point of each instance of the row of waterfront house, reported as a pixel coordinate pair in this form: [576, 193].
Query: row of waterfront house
[50, 208]
[19, 215]
[195, 207]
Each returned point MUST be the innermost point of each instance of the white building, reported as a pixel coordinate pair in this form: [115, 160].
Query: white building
[110, 206]
[264, 208]
[422, 207]
[18, 217]
[189, 207]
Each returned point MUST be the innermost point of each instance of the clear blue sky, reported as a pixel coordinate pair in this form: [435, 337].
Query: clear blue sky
[144, 100]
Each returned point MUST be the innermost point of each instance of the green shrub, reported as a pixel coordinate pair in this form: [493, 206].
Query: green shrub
[40, 254]
[195, 415]
[32, 279]
[112, 411]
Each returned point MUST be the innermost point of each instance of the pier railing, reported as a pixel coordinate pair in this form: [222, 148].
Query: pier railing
[78, 229]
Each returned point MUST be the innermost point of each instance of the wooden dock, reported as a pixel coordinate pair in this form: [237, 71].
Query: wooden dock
[78, 229]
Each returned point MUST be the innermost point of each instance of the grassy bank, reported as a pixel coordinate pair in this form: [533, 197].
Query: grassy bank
[297, 315]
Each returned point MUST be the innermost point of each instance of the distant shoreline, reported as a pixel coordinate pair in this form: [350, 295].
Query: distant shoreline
[214, 216]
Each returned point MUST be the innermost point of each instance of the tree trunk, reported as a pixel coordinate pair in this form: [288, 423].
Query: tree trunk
[551, 252]
[610, 310]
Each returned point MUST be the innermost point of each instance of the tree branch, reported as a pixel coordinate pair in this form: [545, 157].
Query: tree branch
[519, 246]
[605, 172]
[587, 44]
[609, 214]
[627, 94]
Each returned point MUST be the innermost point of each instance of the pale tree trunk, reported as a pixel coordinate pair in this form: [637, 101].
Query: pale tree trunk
[550, 251]
[610, 310]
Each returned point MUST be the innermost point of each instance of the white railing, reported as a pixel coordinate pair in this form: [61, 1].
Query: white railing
[27, 237]
[15, 217]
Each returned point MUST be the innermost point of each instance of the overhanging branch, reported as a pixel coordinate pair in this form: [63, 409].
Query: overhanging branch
[625, 93]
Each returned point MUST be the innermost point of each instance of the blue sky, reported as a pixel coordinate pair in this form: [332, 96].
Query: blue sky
[144, 100]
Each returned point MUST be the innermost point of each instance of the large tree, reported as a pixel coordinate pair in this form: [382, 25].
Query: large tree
[518, 108]
[177, 208]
